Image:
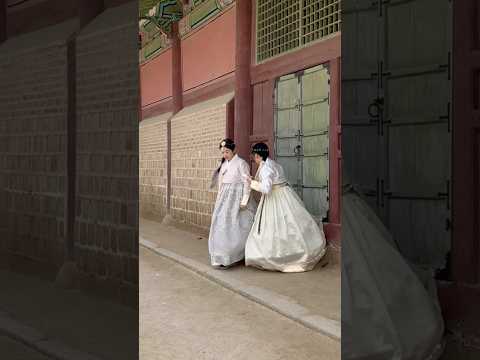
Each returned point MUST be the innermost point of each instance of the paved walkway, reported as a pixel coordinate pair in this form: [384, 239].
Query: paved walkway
[15, 350]
[63, 324]
[311, 298]
[184, 316]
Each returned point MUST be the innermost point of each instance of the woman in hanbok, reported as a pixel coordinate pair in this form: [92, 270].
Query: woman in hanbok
[284, 236]
[389, 307]
[234, 210]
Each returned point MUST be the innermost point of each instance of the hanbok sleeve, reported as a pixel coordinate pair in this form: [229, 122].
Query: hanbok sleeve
[266, 181]
[245, 173]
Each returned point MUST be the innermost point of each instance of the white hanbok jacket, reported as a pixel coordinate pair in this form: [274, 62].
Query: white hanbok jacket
[234, 171]
[269, 173]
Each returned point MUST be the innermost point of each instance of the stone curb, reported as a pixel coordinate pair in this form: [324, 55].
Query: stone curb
[269, 299]
[38, 341]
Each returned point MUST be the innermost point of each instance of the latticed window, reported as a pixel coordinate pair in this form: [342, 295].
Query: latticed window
[284, 25]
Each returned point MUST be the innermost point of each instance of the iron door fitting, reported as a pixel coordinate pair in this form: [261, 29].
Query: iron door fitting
[375, 108]
[298, 151]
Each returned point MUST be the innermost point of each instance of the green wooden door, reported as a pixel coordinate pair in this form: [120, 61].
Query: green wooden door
[301, 135]
[396, 125]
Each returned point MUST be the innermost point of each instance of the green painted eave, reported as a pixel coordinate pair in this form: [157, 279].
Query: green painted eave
[165, 13]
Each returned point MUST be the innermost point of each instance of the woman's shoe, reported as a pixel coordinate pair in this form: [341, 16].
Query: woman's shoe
[222, 267]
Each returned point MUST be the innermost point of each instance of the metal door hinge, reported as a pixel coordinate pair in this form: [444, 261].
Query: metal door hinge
[383, 193]
[448, 65]
[448, 118]
[380, 74]
[299, 134]
[446, 195]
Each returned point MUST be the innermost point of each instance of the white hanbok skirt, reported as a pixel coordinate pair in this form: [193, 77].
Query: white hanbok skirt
[230, 226]
[284, 236]
[387, 313]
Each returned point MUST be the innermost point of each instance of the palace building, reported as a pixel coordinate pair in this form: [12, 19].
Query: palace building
[249, 70]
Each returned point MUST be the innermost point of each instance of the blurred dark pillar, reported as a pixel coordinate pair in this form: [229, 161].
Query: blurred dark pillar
[3, 20]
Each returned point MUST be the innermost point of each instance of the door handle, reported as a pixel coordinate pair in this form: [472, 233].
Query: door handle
[377, 105]
[297, 150]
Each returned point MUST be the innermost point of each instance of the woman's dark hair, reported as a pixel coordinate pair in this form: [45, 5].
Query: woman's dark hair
[229, 144]
[261, 149]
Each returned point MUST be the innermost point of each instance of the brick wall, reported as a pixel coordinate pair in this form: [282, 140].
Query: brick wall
[196, 133]
[153, 167]
[33, 109]
[107, 147]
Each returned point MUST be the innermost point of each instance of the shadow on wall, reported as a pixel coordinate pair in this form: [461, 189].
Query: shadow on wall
[36, 162]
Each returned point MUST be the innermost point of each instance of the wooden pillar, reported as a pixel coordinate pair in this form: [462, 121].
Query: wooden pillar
[466, 143]
[3, 20]
[230, 119]
[177, 100]
[177, 87]
[461, 296]
[243, 88]
[335, 150]
[71, 151]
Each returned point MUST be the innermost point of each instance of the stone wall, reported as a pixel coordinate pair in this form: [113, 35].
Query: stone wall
[107, 148]
[33, 114]
[153, 167]
[196, 133]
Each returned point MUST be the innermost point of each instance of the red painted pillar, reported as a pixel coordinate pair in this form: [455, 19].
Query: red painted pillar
[140, 113]
[466, 144]
[177, 100]
[335, 149]
[3, 20]
[177, 87]
[461, 296]
[243, 88]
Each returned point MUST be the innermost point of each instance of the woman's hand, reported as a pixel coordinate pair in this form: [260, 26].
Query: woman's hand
[248, 179]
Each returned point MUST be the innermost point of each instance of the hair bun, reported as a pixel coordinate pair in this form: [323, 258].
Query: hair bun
[261, 149]
[227, 143]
